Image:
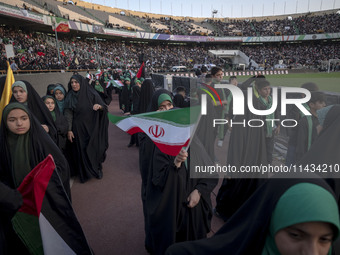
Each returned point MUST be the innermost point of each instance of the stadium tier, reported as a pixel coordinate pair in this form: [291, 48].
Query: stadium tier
[114, 37]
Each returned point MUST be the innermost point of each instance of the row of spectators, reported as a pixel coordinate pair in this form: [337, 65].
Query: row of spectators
[305, 24]
[310, 23]
[35, 52]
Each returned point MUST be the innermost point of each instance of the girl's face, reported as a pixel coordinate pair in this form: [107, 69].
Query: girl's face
[219, 76]
[312, 238]
[165, 105]
[59, 95]
[49, 102]
[18, 122]
[265, 91]
[19, 94]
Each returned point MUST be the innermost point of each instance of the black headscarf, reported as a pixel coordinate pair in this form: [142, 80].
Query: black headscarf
[38, 146]
[147, 91]
[50, 89]
[71, 99]
[179, 101]
[40, 111]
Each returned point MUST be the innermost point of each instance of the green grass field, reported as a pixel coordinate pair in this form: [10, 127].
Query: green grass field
[325, 81]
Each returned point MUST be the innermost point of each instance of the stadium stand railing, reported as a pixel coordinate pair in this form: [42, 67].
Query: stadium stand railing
[93, 16]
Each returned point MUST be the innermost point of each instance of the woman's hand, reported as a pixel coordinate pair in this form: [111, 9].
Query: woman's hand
[97, 107]
[70, 136]
[277, 130]
[181, 157]
[194, 198]
[45, 127]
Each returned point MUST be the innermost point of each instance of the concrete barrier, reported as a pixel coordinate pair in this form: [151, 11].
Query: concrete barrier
[40, 81]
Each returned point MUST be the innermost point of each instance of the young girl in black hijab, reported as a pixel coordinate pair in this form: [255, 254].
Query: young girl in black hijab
[59, 121]
[26, 146]
[282, 217]
[24, 93]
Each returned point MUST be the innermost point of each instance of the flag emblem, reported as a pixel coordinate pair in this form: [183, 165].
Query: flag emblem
[156, 131]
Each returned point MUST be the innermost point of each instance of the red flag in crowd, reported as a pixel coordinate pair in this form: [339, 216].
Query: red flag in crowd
[141, 71]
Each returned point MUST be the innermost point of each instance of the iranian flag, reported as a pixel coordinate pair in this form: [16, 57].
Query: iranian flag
[169, 130]
[46, 222]
[60, 25]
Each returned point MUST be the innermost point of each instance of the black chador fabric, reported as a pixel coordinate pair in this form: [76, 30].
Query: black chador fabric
[62, 128]
[136, 92]
[2, 84]
[39, 146]
[90, 129]
[104, 79]
[146, 148]
[10, 202]
[127, 97]
[247, 147]
[198, 219]
[326, 148]
[302, 135]
[179, 101]
[205, 130]
[168, 217]
[146, 151]
[165, 201]
[245, 233]
[40, 111]
[146, 93]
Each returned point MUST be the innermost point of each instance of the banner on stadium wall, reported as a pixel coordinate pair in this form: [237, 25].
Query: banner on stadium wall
[113, 32]
[21, 14]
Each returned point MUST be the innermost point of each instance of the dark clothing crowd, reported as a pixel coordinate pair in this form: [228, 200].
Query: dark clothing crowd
[260, 211]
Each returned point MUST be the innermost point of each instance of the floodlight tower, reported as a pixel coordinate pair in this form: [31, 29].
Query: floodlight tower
[213, 13]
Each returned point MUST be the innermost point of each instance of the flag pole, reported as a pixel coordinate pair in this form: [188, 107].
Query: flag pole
[56, 40]
[193, 133]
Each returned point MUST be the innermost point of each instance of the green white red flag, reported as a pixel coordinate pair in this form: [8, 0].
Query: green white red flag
[60, 25]
[169, 130]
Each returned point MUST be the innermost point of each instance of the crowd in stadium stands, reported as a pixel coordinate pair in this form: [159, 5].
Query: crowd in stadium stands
[310, 23]
[306, 24]
[307, 55]
[35, 52]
